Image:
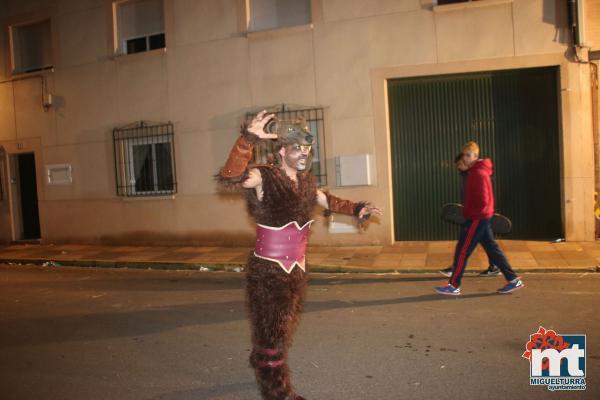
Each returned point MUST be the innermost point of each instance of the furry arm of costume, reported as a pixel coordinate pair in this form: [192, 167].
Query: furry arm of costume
[235, 171]
[333, 204]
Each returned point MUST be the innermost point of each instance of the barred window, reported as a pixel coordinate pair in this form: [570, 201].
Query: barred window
[145, 159]
[314, 119]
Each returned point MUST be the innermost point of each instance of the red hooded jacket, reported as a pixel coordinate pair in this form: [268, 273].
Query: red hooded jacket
[479, 195]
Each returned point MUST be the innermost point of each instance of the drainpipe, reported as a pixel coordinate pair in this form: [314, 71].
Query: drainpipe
[574, 25]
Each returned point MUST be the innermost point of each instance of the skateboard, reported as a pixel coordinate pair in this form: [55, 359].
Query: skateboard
[453, 213]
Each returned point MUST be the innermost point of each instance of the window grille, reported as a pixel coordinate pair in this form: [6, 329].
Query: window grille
[145, 159]
[314, 119]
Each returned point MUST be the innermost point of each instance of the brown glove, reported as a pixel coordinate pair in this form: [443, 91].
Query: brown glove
[235, 169]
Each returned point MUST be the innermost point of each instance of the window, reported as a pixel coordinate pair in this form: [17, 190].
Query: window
[31, 47]
[140, 26]
[272, 14]
[145, 159]
[444, 2]
[315, 121]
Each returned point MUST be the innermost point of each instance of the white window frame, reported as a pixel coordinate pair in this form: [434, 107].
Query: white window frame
[130, 166]
[147, 37]
[120, 43]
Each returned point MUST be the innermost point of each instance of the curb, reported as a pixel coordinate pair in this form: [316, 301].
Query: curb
[239, 267]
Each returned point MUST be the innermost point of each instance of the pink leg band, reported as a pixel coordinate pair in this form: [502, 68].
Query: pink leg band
[268, 352]
[270, 364]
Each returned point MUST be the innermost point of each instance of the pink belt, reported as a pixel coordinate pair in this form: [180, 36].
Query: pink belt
[285, 245]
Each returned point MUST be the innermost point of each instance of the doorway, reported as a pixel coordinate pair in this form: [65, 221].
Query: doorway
[513, 115]
[26, 218]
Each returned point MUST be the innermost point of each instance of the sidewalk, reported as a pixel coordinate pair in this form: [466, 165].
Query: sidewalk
[525, 256]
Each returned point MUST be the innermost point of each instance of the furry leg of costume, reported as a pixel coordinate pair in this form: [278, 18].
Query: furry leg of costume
[275, 301]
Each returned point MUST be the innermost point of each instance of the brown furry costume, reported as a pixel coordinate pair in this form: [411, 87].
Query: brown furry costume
[275, 298]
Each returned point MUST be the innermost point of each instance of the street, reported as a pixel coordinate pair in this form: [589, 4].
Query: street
[87, 333]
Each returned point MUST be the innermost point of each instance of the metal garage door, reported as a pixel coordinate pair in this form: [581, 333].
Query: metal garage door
[514, 117]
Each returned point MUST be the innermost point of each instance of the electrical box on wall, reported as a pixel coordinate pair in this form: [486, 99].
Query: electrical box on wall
[340, 227]
[355, 170]
[59, 174]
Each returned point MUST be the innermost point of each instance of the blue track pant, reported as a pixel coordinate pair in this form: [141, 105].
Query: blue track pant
[474, 232]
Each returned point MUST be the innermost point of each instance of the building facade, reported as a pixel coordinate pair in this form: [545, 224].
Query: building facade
[123, 111]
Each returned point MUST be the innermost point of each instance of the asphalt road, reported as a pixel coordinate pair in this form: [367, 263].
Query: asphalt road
[83, 333]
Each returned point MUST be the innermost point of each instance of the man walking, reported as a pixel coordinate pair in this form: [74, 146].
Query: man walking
[478, 212]
[463, 170]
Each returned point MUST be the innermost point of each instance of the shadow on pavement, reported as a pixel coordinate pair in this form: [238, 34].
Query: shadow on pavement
[83, 282]
[215, 392]
[99, 326]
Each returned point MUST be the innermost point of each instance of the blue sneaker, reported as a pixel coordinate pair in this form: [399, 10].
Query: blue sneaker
[511, 286]
[448, 290]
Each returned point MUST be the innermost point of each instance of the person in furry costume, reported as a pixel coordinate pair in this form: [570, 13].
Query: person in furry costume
[281, 199]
